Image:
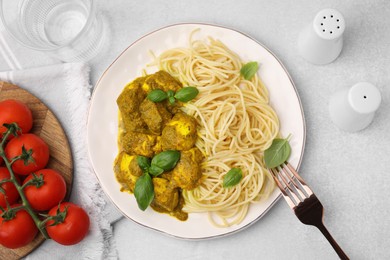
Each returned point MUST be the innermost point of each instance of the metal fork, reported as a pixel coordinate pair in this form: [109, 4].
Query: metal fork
[303, 201]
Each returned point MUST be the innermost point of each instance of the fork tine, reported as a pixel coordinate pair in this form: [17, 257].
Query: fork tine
[296, 185]
[290, 187]
[306, 188]
[289, 201]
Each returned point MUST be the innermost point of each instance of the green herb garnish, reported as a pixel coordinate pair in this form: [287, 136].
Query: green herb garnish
[144, 191]
[157, 95]
[164, 161]
[232, 177]
[171, 97]
[143, 162]
[184, 95]
[277, 153]
[249, 70]
[155, 170]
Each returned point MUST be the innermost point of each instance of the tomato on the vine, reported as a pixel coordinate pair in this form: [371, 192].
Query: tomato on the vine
[11, 193]
[29, 141]
[17, 231]
[14, 111]
[72, 227]
[47, 190]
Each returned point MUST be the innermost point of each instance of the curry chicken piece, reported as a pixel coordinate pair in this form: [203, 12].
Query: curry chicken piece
[127, 171]
[166, 196]
[187, 172]
[179, 133]
[139, 143]
[129, 102]
[161, 80]
[155, 115]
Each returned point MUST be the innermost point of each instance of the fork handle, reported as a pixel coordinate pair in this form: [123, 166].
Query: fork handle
[333, 242]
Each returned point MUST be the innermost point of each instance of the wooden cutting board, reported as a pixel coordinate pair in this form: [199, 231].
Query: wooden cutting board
[49, 129]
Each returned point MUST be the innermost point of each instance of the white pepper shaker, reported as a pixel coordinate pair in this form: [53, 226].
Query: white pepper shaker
[322, 41]
[353, 109]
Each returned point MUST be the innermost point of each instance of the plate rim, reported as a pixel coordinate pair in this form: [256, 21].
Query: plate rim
[216, 26]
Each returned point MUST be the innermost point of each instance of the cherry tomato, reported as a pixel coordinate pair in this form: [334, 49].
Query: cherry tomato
[1, 160]
[19, 231]
[50, 194]
[30, 141]
[11, 193]
[74, 227]
[13, 111]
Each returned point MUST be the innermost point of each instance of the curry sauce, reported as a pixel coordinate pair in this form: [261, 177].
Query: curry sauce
[146, 129]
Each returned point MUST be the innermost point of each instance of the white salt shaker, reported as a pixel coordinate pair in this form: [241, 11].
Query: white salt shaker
[353, 109]
[322, 41]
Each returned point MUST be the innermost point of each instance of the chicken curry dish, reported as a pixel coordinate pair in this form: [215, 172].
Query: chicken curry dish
[149, 133]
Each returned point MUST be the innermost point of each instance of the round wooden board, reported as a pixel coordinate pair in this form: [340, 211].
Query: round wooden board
[49, 129]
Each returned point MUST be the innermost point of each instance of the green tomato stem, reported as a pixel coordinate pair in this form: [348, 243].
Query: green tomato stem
[5, 137]
[26, 184]
[25, 203]
[42, 224]
[19, 208]
[13, 159]
[5, 180]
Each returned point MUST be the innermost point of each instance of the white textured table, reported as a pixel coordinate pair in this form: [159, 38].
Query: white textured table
[348, 172]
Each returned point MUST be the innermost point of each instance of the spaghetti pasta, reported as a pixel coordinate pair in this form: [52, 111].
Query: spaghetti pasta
[236, 125]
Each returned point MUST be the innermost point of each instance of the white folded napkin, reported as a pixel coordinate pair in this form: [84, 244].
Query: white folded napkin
[65, 89]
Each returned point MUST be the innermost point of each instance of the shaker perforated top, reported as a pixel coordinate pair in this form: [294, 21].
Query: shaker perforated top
[364, 98]
[329, 24]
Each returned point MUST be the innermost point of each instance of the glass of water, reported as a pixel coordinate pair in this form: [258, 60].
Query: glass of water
[69, 30]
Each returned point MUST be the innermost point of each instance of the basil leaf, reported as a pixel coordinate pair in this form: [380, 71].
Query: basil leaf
[170, 93]
[166, 160]
[277, 153]
[157, 95]
[143, 191]
[171, 100]
[249, 70]
[155, 170]
[232, 177]
[143, 162]
[186, 94]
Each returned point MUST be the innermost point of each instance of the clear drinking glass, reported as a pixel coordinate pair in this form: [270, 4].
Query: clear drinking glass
[69, 30]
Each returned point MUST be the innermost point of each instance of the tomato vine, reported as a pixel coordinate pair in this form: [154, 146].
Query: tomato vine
[26, 156]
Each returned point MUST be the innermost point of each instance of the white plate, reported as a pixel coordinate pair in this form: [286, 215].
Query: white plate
[103, 121]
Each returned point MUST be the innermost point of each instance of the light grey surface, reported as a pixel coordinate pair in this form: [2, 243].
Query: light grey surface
[348, 172]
